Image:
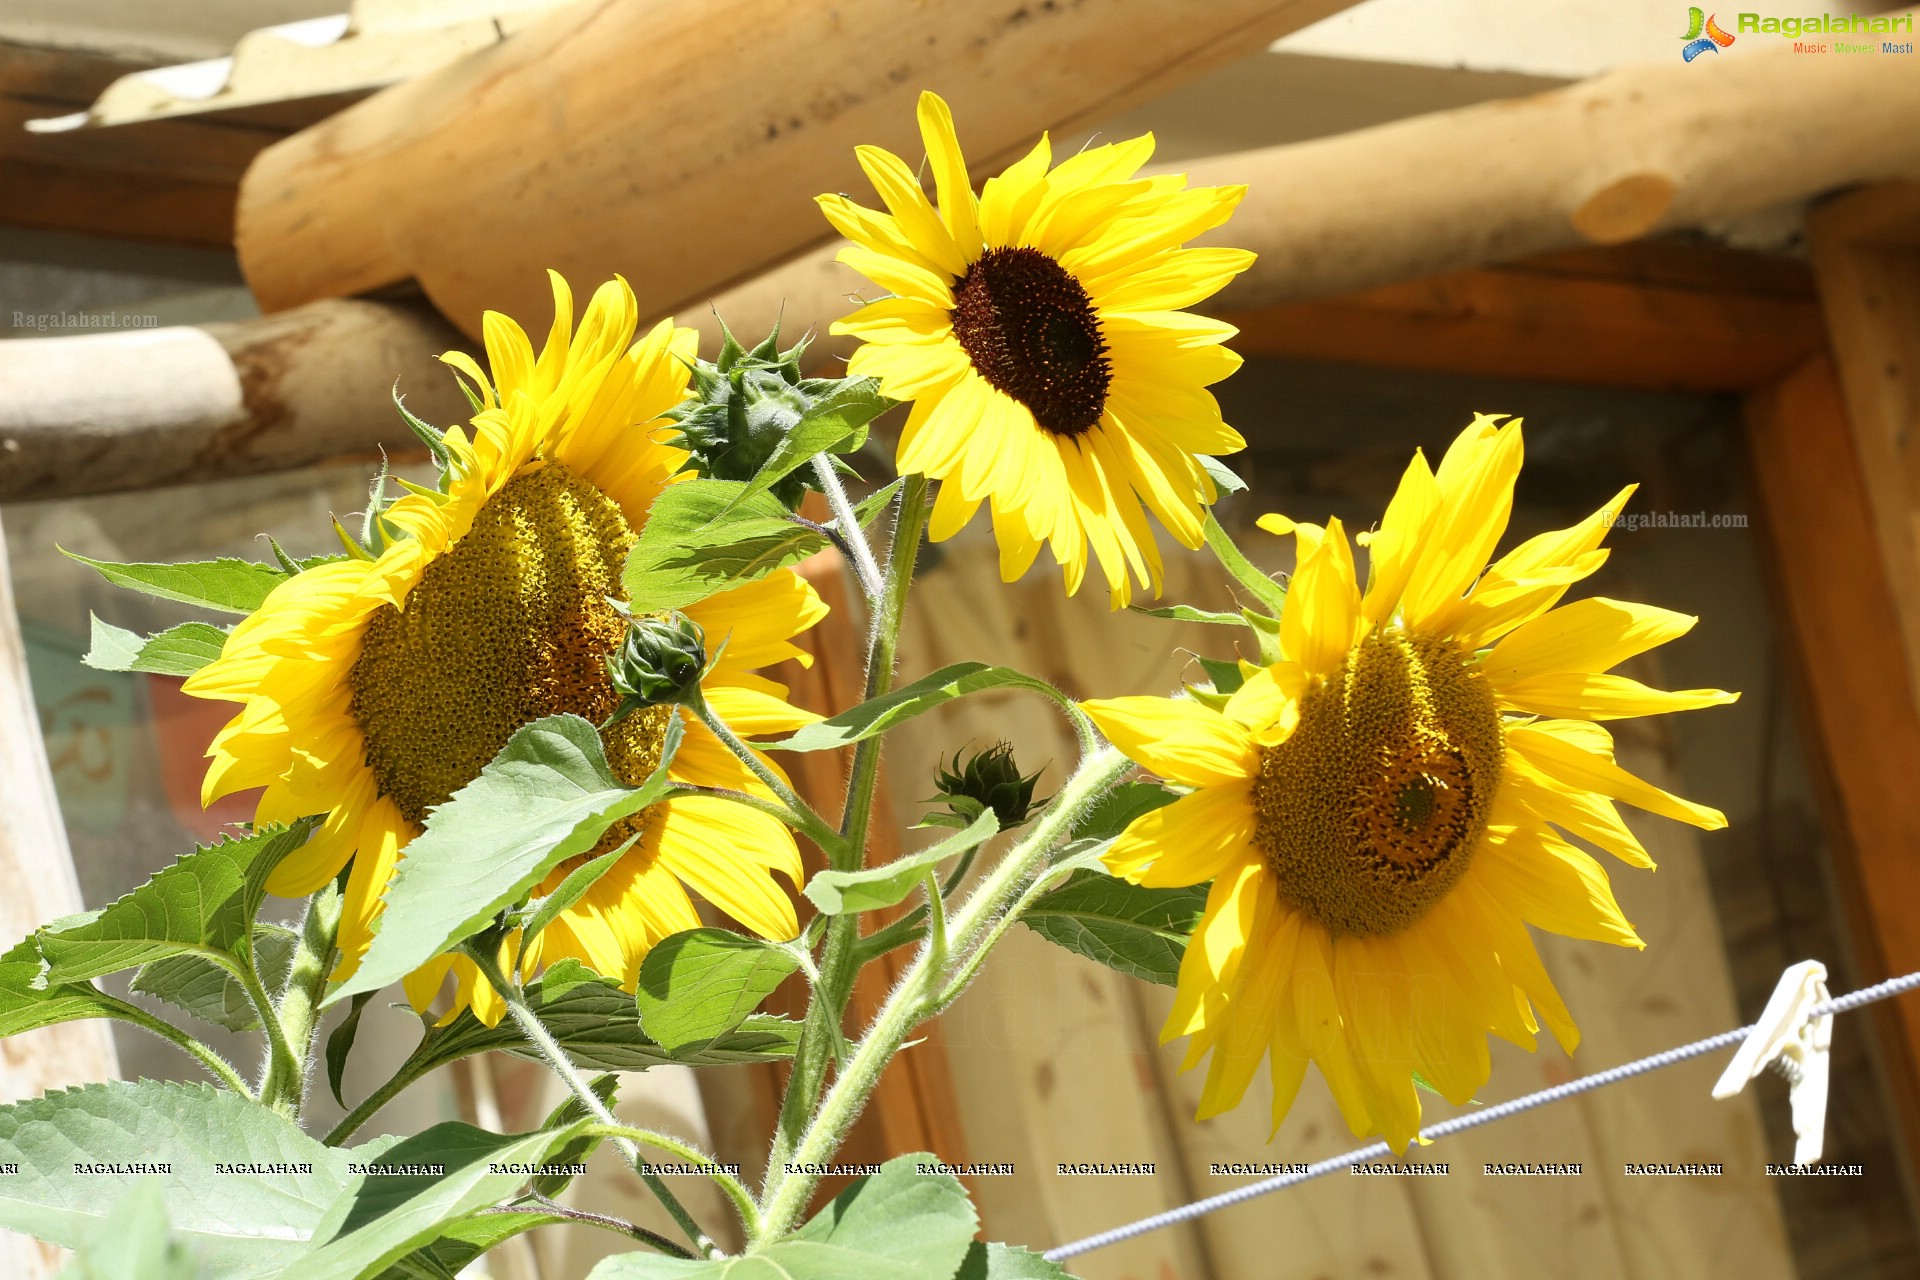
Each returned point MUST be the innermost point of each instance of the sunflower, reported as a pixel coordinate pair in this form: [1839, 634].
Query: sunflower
[374, 687]
[1385, 809]
[1037, 330]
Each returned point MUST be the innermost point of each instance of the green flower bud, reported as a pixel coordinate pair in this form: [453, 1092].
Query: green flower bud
[988, 779]
[742, 407]
[658, 663]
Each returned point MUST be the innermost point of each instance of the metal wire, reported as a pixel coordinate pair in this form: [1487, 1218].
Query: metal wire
[1473, 1120]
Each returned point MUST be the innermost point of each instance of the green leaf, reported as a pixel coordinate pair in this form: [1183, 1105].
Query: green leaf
[880, 714]
[868, 509]
[898, 1224]
[463, 1241]
[1226, 676]
[570, 891]
[836, 892]
[177, 651]
[1225, 480]
[240, 1226]
[228, 585]
[1187, 613]
[28, 1003]
[206, 902]
[568, 1113]
[703, 537]
[1117, 810]
[414, 1191]
[548, 796]
[834, 421]
[1135, 930]
[135, 1243]
[697, 985]
[1259, 585]
[1005, 1262]
[208, 992]
[599, 1026]
[340, 1044]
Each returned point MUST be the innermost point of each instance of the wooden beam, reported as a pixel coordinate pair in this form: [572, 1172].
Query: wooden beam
[1678, 317]
[169, 182]
[682, 144]
[100, 412]
[1842, 610]
[37, 884]
[1866, 257]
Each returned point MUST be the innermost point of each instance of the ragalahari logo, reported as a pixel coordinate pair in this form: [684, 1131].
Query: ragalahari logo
[1703, 35]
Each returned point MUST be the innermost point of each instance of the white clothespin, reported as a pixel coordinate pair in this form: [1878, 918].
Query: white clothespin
[1795, 1044]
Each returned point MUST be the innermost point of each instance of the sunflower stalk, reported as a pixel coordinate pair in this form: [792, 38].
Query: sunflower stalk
[872, 581]
[298, 1011]
[822, 1031]
[515, 998]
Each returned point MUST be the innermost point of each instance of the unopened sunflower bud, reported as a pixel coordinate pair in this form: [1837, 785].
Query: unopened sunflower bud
[988, 779]
[744, 405]
[659, 663]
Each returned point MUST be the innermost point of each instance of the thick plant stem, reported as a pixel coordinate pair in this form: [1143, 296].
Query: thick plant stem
[278, 1075]
[306, 981]
[852, 535]
[541, 1039]
[822, 1033]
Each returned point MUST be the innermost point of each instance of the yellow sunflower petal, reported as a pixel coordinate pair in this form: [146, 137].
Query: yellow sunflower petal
[1591, 635]
[1322, 615]
[1179, 740]
[1192, 840]
[958, 208]
[1599, 697]
[1548, 748]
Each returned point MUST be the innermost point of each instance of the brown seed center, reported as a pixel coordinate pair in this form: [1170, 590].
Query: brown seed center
[1372, 810]
[1030, 330]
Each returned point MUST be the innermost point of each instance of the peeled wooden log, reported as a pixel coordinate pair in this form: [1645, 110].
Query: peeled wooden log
[680, 143]
[102, 412]
[1628, 154]
[1435, 193]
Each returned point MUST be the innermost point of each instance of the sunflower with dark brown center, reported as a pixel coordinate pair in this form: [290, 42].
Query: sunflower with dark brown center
[1381, 812]
[374, 689]
[1037, 329]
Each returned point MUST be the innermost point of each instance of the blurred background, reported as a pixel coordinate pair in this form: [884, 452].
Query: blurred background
[1445, 235]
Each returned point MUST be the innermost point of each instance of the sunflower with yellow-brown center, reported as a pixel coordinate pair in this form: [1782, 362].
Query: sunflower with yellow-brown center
[374, 687]
[1382, 811]
[1037, 328]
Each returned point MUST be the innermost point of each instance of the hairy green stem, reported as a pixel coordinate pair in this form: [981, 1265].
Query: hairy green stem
[822, 1032]
[219, 1066]
[798, 813]
[732, 1186]
[539, 1206]
[368, 1108]
[281, 1067]
[1096, 774]
[855, 538]
[541, 1039]
[306, 981]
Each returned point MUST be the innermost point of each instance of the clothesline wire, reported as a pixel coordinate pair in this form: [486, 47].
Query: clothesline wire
[1472, 1120]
